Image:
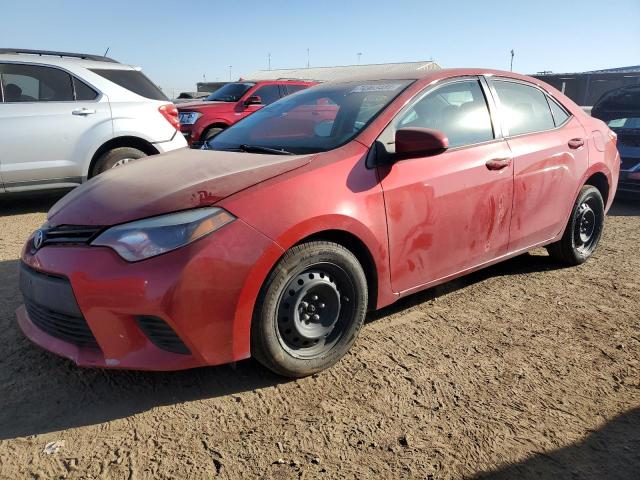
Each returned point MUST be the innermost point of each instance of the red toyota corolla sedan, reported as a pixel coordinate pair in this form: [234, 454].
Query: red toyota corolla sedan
[333, 201]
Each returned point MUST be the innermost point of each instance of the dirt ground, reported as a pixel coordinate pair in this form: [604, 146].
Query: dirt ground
[525, 370]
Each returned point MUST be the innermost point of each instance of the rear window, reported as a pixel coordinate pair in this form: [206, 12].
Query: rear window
[134, 81]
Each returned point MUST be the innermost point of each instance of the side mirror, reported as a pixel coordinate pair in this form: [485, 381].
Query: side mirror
[253, 100]
[414, 142]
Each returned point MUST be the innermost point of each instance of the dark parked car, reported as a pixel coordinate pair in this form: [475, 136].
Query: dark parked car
[620, 110]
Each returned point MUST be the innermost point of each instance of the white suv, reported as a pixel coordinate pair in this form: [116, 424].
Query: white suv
[66, 117]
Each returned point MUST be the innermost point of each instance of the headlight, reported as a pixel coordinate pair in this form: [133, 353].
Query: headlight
[147, 238]
[189, 118]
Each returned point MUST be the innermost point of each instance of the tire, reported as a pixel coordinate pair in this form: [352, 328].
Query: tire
[210, 133]
[116, 157]
[310, 309]
[584, 229]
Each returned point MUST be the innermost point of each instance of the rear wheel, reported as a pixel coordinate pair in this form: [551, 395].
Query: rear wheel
[310, 310]
[584, 229]
[116, 158]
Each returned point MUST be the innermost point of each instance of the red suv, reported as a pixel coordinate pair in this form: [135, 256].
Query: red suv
[339, 199]
[205, 119]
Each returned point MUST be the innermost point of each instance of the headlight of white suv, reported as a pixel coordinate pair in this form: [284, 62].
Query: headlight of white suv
[189, 118]
[147, 238]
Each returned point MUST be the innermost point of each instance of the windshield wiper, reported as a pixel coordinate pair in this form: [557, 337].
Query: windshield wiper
[261, 149]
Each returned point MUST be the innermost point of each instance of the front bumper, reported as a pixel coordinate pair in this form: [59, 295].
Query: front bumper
[204, 292]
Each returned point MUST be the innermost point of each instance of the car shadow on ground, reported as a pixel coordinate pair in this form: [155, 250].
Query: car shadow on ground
[611, 452]
[537, 261]
[29, 202]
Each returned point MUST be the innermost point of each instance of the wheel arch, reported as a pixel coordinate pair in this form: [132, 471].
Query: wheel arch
[118, 142]
[600, 178]
[601, 182]
[214, 124]
[356, 246]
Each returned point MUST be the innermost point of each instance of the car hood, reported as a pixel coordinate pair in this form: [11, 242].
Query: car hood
[166, 183]
[197, 105]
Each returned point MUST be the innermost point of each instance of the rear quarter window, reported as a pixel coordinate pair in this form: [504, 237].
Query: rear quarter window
[134, 81]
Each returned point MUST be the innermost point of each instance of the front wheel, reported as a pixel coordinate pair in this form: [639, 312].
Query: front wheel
[584, 229]
[310, 310]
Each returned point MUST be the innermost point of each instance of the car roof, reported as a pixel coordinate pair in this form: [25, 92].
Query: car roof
[62, 59]
[428, 76]
[276, 80]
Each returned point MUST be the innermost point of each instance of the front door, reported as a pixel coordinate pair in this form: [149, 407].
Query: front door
[448, 212]
[44, 119]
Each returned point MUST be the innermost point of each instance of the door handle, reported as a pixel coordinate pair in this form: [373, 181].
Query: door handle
[576, 143]
[498, 163]
[83, 111]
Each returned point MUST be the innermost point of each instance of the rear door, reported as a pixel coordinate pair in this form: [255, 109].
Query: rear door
[447, 212]
[46, 120]
[549, 156]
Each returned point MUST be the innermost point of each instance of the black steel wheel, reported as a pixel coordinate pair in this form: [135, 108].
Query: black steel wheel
[584, 228]
[310, 310]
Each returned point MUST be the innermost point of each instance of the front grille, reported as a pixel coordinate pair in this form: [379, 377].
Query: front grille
[65, 327]
[69, 234]
[161, 334]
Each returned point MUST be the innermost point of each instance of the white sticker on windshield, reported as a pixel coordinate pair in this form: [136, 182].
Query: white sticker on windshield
[376, 87]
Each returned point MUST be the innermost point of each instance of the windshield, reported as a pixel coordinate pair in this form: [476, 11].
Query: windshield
[315, 120]
[231, 92]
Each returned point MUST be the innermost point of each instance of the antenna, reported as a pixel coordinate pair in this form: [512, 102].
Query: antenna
[359, 54]
[230, 66]
[307, 58]
[106, 51]
[513, 54]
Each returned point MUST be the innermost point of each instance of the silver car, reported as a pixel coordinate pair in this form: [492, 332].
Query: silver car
[66, 117]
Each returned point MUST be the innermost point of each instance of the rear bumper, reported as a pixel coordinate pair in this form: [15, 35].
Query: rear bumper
[178, 141]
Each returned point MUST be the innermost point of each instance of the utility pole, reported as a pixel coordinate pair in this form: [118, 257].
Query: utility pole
[512, 55]
[230, 72]
[359, 54]
[307, 58]
[269, 57]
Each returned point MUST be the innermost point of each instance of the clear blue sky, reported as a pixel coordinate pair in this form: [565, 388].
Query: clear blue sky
[177, 42]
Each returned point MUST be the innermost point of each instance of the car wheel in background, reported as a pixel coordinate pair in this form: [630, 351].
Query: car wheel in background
[209, 134]
[310, 310]
[584, 229]
[115, 158]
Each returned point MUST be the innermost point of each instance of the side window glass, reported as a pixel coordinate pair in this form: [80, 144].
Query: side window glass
[294, 88]
[560, 115]
[457, 109]
[268, 94]
[30, 83]
[83, 91]
[524, 109]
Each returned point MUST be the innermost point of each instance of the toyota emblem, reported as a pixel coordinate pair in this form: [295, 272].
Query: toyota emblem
[38, 238]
